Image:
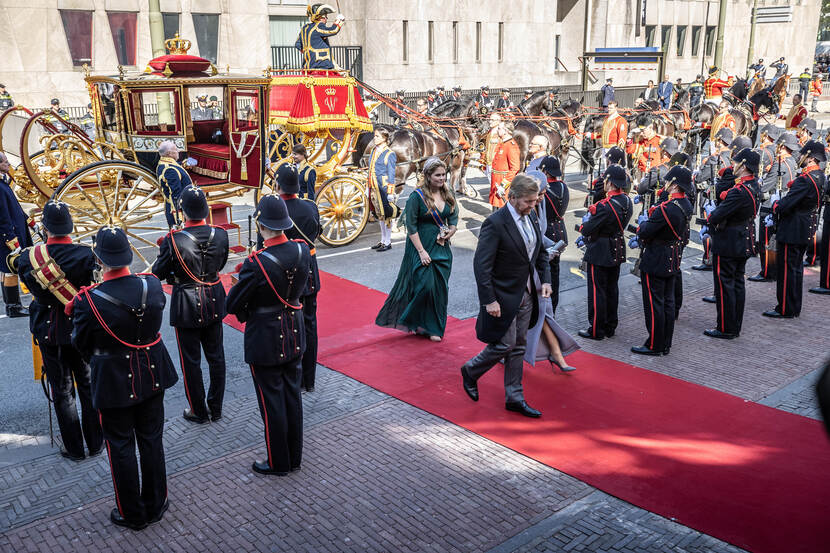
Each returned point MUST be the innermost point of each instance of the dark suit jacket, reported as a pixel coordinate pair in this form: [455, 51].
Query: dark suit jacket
[502, 268]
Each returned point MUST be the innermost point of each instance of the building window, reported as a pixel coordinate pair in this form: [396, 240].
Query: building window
[77, 25]
[207, 34]
[455, 41]
[501, 42]
[122, 27]
[405, 33]
[285, 30]
[651, 32]
[557, 51]
[478, 41]
[696, 39]
[665, 37]
[681, 39]
[710, 40]
[430, 41]
[171, 24]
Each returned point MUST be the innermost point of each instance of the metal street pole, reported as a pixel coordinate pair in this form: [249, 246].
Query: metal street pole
[157, 44]
[719, 41]
[750, 54]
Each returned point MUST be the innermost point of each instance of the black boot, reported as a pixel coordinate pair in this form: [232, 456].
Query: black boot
[11, 295]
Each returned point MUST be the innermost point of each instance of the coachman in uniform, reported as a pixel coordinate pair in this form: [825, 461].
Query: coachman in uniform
[662, 238]
[793, 215]
[731, 225]
[307, 174]
[313, 41]
[116, 329]
[267, 299]
[54, 272]
[191, 259]
[14, 235]
[602, 235]
[556, 200]
[173, 178]
[306, 218]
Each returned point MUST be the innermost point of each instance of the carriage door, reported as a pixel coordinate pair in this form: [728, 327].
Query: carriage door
[246, 155]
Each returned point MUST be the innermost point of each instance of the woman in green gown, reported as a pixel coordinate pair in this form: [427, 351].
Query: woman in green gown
[418, 300]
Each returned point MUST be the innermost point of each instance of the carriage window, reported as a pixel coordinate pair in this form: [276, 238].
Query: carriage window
[245, 110]
[156, 112]
[206, 103]
[107, 97]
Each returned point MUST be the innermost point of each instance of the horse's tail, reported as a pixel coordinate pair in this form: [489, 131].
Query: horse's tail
[588, 146]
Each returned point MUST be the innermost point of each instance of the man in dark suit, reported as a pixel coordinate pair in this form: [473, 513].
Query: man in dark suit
[54, 273]
[509, 250]
[191, 259]
[267, 299]
[116, 329]
[306, 218]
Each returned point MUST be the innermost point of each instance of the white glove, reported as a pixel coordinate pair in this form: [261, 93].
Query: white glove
[637, 199]
[191, 162]
[634, 243]
[499, 190]
[642, 218]
[704, 231]
[775, 197]
[586, 218]
[340, 18]
[769, 221]
[709, 207]
[580, 242]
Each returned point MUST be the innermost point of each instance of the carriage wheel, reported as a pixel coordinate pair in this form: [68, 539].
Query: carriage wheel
[344, 208]
[119, 193]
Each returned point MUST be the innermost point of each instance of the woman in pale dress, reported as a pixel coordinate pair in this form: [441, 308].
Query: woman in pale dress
[547, 340]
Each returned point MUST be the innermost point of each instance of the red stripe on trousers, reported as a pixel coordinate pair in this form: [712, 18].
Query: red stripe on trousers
[784, 294]
[184, 376]
[722, 317]
[264, 417]
[651, 306]
[594, 286]
[112, 473]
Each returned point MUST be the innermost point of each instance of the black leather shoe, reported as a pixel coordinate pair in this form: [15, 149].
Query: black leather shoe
[16, 310]
[820, 290]
[667, 351]
[72, 456]
[773, 314]
[215, 416]
[715, 333]
[709, 299]
[759, 278]
[190, 416]
[160, 516]
[642, 350]
[378, 245]
[523, 408]
[116, 517]
[263, 467]
[309, 389]
[384, 248]
[702, 267]
[589, 335]
[469, 384]
[93, 453]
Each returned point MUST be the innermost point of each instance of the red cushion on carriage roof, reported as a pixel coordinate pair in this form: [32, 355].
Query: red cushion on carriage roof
[180, 63]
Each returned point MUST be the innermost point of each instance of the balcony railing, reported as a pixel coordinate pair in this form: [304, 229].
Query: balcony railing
[345, 57]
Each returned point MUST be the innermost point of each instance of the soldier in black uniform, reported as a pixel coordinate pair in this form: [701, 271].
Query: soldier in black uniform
[116, 329]
[556, 200]
[41, 268]
[793, 215]
[191, 259]
[602, 234]
[824, 274]
[731, 225]
[398, 119]
[267, 299]
[306, 218]
[704, 177]
[14, 234]
[662, 238]
[596, 192]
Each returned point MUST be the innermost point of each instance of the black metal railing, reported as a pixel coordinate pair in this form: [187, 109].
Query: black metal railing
[349, 58]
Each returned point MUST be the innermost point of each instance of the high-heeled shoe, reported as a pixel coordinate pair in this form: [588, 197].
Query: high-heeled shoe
[565, 369]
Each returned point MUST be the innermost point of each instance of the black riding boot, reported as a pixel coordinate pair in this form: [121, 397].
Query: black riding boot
[11, 296]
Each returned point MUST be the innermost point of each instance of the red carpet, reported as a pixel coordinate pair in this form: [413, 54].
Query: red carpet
[751, 475]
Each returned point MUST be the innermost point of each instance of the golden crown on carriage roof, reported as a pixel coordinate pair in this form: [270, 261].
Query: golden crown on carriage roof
[177, 45]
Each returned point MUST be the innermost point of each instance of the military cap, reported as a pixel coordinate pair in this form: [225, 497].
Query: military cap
[213, 99]
[681, 158]
[726, 136]
[2, 85]
[539, 177]
[771, 131]
[485, 87]
[669, 145]
[682, 177]
[739, 143]
[194, 203]
[789, 141]
[288, 179]
[814, 150]
[317, 11]
[550, 166]
[202, 97]
[713, 69]
[400, 92]
[112, 247]
[528, 91]
[55, 101]
[615, 155]
[457, 88]
[439, 87]
[750, 159]
[609, 79]
[56, 218]
[617, 176]
[272, 213]
[505, 91]
[808, 125]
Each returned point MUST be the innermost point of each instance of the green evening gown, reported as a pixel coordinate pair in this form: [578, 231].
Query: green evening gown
[418, 300]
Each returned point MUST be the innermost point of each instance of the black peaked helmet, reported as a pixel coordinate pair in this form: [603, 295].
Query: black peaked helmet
[272, 213]
[194, 203]
[56, 218]
[550, 166]
[814, 150]
[682, 177]
[617, 176]
[288, 180]
[615, 155]
[749, 158]
[112, 247]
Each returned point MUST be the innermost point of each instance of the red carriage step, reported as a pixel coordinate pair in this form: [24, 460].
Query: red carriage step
[221, 215]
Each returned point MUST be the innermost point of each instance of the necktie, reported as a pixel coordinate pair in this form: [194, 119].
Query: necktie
[527, 233]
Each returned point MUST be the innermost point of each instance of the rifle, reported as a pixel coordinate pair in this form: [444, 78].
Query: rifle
[647, 199]
[710, 194]
[766, 210]
[251, 241]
